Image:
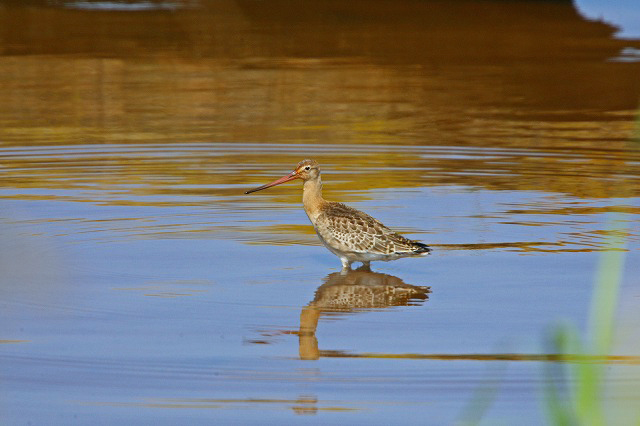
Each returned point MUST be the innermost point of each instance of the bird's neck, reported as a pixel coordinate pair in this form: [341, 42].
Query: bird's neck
[312, 198]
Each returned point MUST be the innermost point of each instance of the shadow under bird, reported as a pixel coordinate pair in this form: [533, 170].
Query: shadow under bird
[350, 234]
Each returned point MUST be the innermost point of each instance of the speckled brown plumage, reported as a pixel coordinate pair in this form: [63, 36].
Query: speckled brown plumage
[350, 234]
[356, 233]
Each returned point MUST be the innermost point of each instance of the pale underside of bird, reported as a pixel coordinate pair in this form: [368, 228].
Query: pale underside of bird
[350, 234]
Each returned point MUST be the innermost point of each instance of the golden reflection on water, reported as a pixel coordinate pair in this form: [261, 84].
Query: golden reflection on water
[223, 170]
[566, 358]
[216, 175]
[303, 405]
[192, 105]
[154, 78]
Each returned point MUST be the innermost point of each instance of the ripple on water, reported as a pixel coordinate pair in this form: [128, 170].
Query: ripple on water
[195, 190]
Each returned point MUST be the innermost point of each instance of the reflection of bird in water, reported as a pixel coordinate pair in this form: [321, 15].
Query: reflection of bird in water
[348, 233]
[362, 289]
[352, 291]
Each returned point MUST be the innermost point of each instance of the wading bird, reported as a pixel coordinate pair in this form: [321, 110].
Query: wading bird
[348, 233]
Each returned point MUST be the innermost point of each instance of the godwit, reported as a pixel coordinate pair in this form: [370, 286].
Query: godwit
[348, 233]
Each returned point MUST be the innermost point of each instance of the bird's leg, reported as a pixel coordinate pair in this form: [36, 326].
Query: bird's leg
[346, 264]
[366, 266]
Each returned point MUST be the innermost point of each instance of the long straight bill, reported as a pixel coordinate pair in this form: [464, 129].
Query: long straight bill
[283, 179]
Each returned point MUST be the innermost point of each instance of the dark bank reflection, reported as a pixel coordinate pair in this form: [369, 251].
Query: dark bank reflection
[247, 70]
[353, 291]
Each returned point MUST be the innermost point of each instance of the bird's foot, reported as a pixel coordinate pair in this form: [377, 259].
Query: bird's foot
[366, 267]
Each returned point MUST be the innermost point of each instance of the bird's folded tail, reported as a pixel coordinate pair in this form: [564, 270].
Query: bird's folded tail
[421, 248]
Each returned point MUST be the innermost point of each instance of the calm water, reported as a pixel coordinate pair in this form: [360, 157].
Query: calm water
[138, 285]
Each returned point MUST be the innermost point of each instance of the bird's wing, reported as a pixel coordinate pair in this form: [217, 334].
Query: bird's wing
[358, 232]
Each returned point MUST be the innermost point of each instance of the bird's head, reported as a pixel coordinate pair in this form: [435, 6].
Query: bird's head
[305, 170]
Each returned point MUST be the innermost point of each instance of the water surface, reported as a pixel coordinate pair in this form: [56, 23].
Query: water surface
[140, 285]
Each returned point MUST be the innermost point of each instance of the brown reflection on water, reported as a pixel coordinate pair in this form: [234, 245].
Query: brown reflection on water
[225, 170]
[303, 405]
[352, 291]
[191, 105]
[401, 74]
[568, 358]
[357, 75]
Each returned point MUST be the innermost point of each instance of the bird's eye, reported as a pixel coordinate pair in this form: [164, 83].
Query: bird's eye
[308, 168]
